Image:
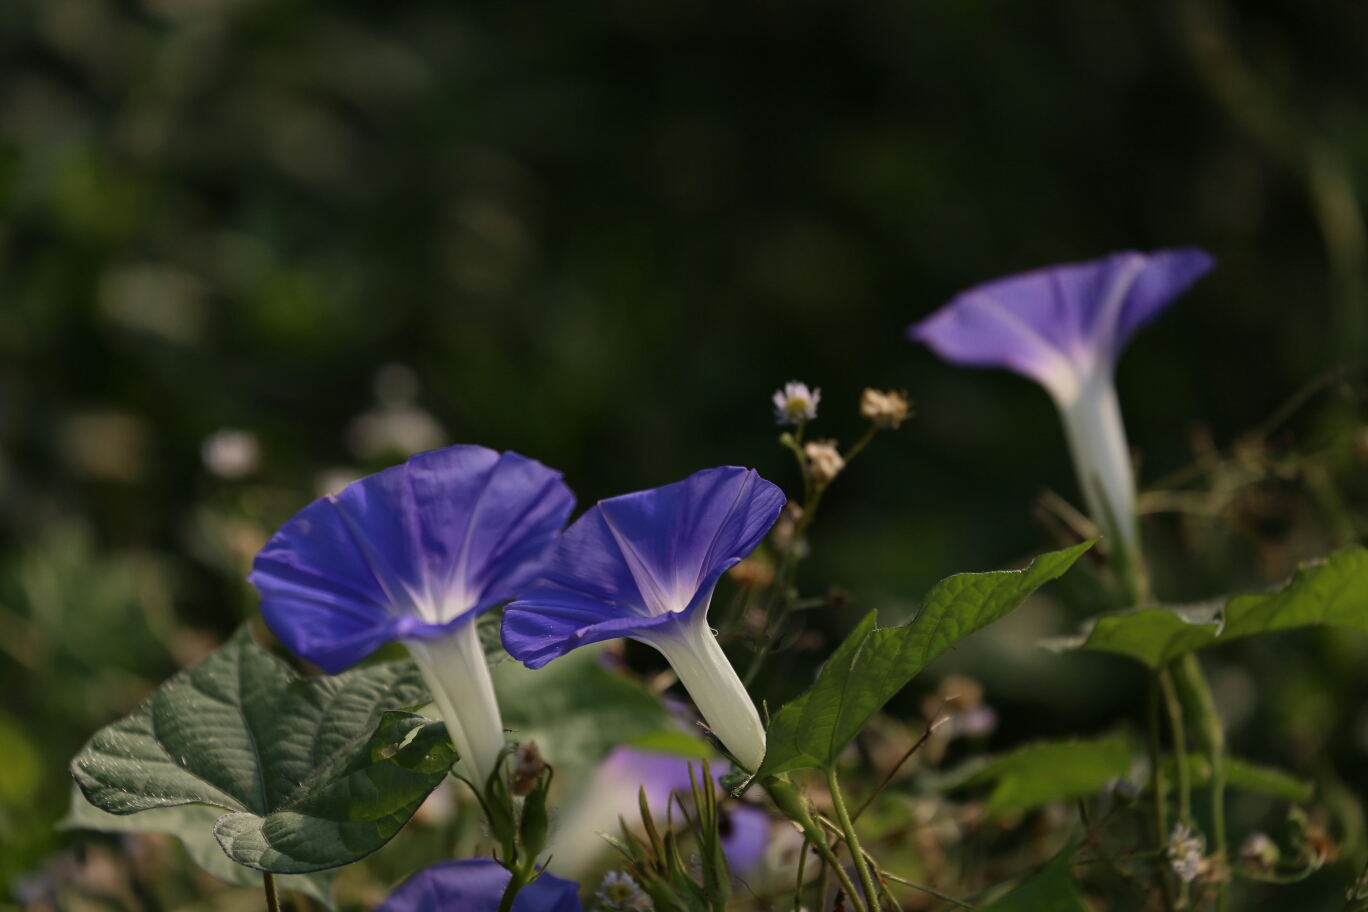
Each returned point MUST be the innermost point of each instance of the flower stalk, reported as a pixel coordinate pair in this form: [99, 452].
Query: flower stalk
[456, 672]
[852, 843]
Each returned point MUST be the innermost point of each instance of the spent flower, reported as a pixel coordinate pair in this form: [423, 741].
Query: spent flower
[1065, 327]
[824, 460]
[796, 403]
[885, 409]
[413, 554]
[644, 566]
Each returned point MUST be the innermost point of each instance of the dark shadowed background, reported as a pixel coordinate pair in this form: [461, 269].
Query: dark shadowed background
[602, 233]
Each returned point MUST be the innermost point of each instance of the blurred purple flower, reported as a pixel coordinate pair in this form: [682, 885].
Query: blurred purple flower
[477, 885]
[1065, 327]
[414, 553]
[644, 566]
[613, 792]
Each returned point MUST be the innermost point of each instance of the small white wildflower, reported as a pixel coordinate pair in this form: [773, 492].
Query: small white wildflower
[824, 460]
[230, 453]
[620, 893]
[1259, 852]
[795, 403]
[1185, 853]
[885, 410]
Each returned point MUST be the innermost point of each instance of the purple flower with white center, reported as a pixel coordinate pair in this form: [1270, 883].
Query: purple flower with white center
[644, 566]
[477, 885]
[413, 554]
[612, 794]
[1065, 327]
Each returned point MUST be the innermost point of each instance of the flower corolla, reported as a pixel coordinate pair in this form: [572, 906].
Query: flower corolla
[413, 554]
[795, 403]
[477, 885]
[1065, 327]
[644, 566]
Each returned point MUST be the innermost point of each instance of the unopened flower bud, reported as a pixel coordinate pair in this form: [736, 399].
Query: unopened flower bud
[529, 767]
[824, 460]
[795, 403]
[1259, 853]
[885, 410]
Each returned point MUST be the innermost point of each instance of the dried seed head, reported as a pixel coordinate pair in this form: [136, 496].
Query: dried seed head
[885, 409]
[529, 767]
[752, 574]
[824, 460]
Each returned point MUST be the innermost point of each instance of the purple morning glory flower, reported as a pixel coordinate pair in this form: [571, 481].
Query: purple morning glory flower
[414, 553]
[1065, 327]
[644, 566]
[612, 794]
[477, 885]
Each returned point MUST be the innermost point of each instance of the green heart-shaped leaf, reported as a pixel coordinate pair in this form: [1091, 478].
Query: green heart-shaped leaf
[871, 666]
[315, 773]
[1330, 592]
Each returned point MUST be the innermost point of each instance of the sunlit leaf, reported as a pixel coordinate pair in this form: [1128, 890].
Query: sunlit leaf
[1329, 592]
[313, 773]
[871, 666]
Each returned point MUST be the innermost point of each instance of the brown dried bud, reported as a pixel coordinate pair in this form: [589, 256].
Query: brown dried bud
[528, 770]
[824, 460]
[885, 410]
[752, 574]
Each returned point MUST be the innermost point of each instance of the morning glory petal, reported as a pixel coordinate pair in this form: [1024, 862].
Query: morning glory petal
[644, 565]
[409, 553]
[477, 885]
[640, 557]
[1061, 324]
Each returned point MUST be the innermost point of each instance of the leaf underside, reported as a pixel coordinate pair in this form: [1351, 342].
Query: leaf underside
[313, 774]
[871, 666]
[1330, 592]
[193, 825]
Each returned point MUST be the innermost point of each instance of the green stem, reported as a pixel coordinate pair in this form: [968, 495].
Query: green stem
[802, 870]
[1208, 724]
[777, 611]
[1157, 786]
[519, 880]
[272, 899]
[1180, 762]
[823, 881]
[852, 843]
[794, 806]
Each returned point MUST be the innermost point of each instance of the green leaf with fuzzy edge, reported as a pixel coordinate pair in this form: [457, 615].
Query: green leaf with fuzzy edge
[193, 825]
[313, 774]
[871, 666]
[1330, 592]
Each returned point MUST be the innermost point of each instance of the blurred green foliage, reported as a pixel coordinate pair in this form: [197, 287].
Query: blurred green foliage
[601, 233]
